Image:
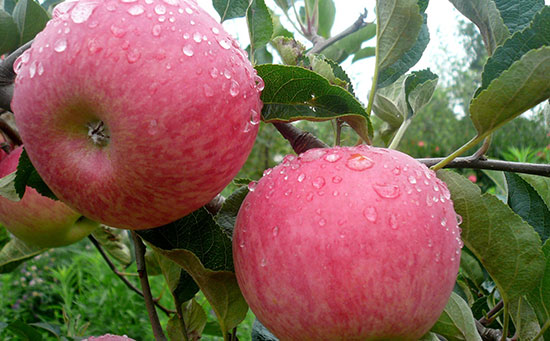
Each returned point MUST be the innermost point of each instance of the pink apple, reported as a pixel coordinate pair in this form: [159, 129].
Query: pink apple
[136, 112]
[109, 337]
[351, 243]
[39, 220]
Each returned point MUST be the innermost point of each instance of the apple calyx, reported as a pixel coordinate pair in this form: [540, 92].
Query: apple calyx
[98, 133]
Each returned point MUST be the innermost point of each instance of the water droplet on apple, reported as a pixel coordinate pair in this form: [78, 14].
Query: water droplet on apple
[428, 173]
[117, 31]
[197, 37]
[437, 257]
[370, 214]
[460, 242]
[336, 179]
[82, 11]
[136, 10]
[309, 196]
[215, 30]
[275, 231]
[255, 116]
[322, 222]
[458, 219]
[224, 44]
[241, 244]
[301, 177]
[63, 8]
[358, 162]
[188, 50]
[32, 69]
[234, 91]
[160, 9]
[312, 155]
[214, 72]
[152, 128]
[444, 222]
[260, 85]
[396, 170]
[263, 262]
[393, 222]
[111, 6]
[430, 243]
[94, 46]
[412, 179]
[387, 191]
[128, 1]
[318, 182]
[333, 157]
[208, 92]
[171, 2]
[133, 56]
[289, 191]
[40, 69]
[252, 186]
[188, 10]
[60, 45]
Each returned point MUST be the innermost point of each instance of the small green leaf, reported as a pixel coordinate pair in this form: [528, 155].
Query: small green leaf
[261, 333]
[366, 52]
[27, 175]
[283, 4]
[487, 18]
[289, 49]
[471, 269]
[539, 297]
[527, 203]
[227, 215]
[293, 93]
[24, 331]
[541, 184]
[7, 187]
[260, 24]
[399, 23]
[456, 322]
[518, 14]
[525, 319]
[229, 9]
[16, 252]
[181, 285]
[203, 250]
[326, 15]
[519, 88]
[30, 18]
[9, 33]
[194, 318]
[508, 248]
[278, 28]
[499, 179]
[115, 242]
[349, 45]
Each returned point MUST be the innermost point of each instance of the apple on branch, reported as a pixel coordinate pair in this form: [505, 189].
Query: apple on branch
[39, 220]
[136, 113]
[347, 243]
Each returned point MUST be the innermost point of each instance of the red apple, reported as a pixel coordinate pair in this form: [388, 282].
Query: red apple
[39, 220]
[136, 112]
[351, 243]
[109, 337]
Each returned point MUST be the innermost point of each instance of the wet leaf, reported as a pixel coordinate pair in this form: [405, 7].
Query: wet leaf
[456, 322]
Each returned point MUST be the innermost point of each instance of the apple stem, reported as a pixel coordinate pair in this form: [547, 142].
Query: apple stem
[300, 140]
[120, 275]
[149, 302]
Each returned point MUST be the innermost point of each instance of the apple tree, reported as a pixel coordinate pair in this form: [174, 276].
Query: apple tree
[136, 115]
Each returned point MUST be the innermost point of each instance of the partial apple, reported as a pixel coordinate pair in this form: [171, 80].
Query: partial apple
[350, 243]
[109, 337]
[39, 220]
[136, 113]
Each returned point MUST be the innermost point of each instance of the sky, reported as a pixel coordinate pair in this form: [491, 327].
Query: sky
[442, 20]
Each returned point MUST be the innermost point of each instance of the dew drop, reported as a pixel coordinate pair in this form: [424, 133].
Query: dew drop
[430, 243]
[443, 221]
[197, 37]
[252, 186]
[437, 257]
[332, 157]
[40, 69]
[128, 1]
[152, 129]
[133, 56]
[312, 155]
[336, 179]
[188, 50]
[318, 182]
[393, 222]
[358, 162]
[136, 10]
[224, 44]
[458, 219]
[322, 222]
[171, 2]
[111, 6]
[267, 171]
[301, 177]
[60, 45]
[234, 90]
[241, 244]
[370, 214]
[32, 70]
[63, 8]
[263, 263]
[82, 11]
[160, 9]
[412, 179]
[214, 72]
[215, 30]
[396, 171]
[260, 85]
[94, 46]
[460, 242]
[289, 191]
[309, 196]
[117, 31]
[156, 30]
[188, 10]
[255, 117]
[387, 191]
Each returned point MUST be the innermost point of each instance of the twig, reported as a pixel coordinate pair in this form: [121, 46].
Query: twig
[482, 163]
[7, 76]
[320, 45]
[488, 334]
[149, 302]
[11, 133]
[488, 318]
[181, 319]
[299, 140]
[121, 275]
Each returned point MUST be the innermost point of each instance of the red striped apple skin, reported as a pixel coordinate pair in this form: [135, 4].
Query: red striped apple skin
[178, 100]
[350, 243]
[39, 220]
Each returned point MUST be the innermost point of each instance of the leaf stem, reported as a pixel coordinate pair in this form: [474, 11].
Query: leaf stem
[457, 153]
[149, 302]
[506, 324]
[320, 45]
[399, 135]
[181, 319]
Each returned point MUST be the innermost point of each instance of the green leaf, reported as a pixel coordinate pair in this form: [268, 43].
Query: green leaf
[541, 184]
[391, 73]
[456, 322]
[499, 179]
[536, 36]
[518, 14]
[508, 248]
[399, 23]
[115, 242]
[7, 187]
[471, 269]
[27, 175]
[539, 297]
[367, 52]
[227, 215]
[283, 4]
[30, 18]
[293, 93]
[203, 250]
[261, 333]
[522, 86]
[229, 9]
[24, 331]
[278, 28]
[486, 16]
[260, 24]
[527, 203]
[429, 337]
[326, 15]
[525, 319]
[290, 50]
[349, 45]
[194, 318]
[181, 285]
[9, 33]
[9, 5]
[16, 252]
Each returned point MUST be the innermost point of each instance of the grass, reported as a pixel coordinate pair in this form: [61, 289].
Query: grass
[72, 292]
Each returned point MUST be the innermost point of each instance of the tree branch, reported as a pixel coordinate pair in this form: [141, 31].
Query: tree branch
[299, 140]
[149, 302]
[320, 45]
[482, 163]
[7, 76]
[11, 133]
[121, 276]
[488, 318]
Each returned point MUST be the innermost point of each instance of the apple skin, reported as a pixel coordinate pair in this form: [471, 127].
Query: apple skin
[178, 100]
[109, 337]
[347, 244]
[39, 220]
